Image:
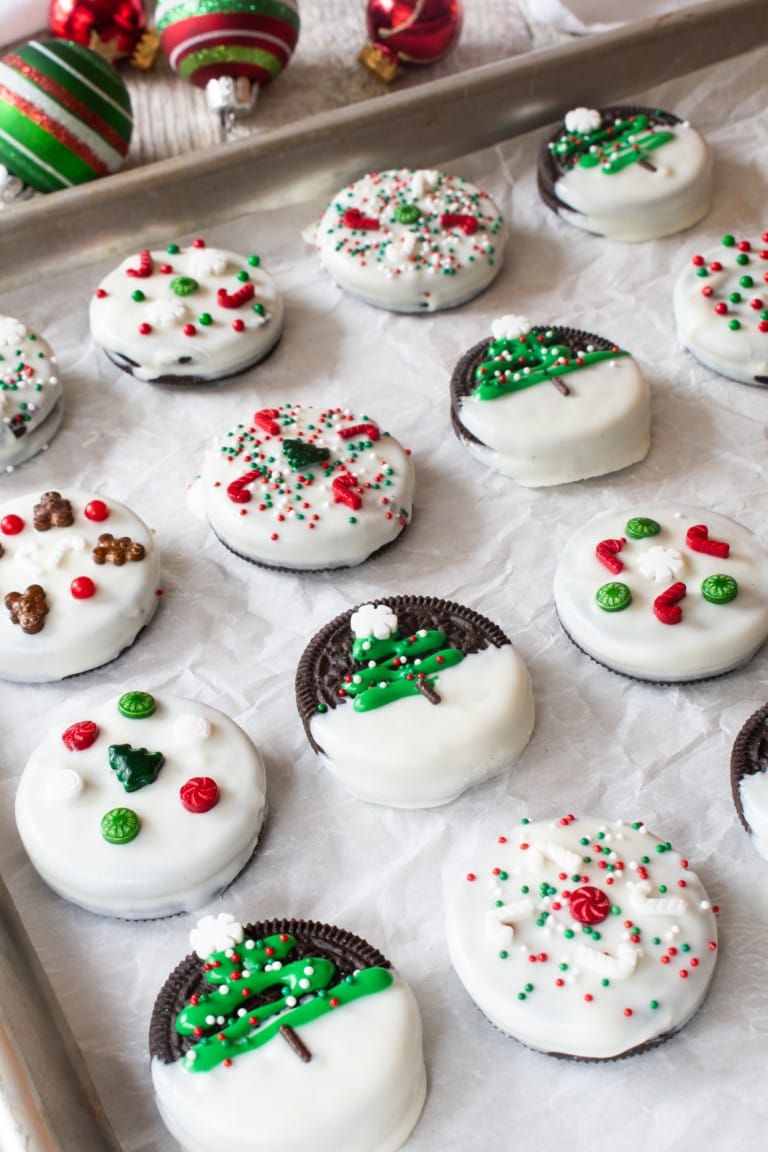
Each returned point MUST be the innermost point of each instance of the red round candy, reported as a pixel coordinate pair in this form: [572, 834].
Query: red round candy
[81, 735]
[238, 325]
[199, 794]
[82, 587]
[11, 524]
[589, 905]
[96, 510]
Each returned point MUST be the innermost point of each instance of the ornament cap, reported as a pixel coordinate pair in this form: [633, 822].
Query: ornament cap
[380, 60]
[231, 96]
[12, 189]
[146, 49]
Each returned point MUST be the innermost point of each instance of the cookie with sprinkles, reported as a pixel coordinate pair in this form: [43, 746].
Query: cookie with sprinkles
[187, 315]
[144, 806]
[550, 405]
[305, 488]
[412, 240]
[749, 778]
[411, 700]
[78, 582]
[625, 172]
[30, 393]
[721, 308]
[664, 592]
[286, 1034]
[583, 937]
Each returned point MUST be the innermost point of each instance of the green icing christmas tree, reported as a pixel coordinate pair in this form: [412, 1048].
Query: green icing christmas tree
[514, 363]
[396, 666]
[232, 1019]
[612, 147]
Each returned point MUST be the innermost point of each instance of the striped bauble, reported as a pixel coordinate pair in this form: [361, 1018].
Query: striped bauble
[207, 39]
[65, 115]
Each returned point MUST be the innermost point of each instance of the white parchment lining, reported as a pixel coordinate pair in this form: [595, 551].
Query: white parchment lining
[231, 634]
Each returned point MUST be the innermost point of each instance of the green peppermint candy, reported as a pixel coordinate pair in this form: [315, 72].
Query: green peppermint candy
[136, 705]
[639, 527]
[407, 213]
[719, 589]
[184, 285]
[613, 597]
[120, 826]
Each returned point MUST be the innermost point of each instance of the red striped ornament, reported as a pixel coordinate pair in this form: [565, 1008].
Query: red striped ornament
[206, 40]
[65, 115]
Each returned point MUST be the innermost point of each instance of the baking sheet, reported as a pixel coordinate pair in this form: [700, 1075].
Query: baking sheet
[231, 634]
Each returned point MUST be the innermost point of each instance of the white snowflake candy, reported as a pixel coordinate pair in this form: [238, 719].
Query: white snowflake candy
[377, 620]
[191, 728]
[510, 327]
[582, 120]
[11, 331]
[166, 313]
[208, 262]
[425, 180]
[660, 564]
[215, 934]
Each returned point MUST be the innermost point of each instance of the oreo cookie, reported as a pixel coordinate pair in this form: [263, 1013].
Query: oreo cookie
[547, 404]
[410, 700]
[286, 1034]
[626, 172]
[749, 778]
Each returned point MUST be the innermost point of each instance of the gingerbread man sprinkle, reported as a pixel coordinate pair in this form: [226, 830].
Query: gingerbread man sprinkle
[116, 551]
[28, 609]
[53, 511]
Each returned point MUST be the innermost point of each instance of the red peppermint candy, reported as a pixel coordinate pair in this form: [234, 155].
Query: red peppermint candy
[199, 794]
[81, 735]
[589, 905]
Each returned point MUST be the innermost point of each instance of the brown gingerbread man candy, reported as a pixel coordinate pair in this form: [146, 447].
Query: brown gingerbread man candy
[116, 551]
[53, 511]
[28, 609]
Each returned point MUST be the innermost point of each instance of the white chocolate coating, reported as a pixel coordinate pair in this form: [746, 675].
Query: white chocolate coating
[431, 263]
[413, 754]
[77, 635]
[30, 393]
[283, 527]
[362, 1091]
[180, 860]
[179, 344]
[540, 437]
[710, 639]
[541, 974]
[741, 353]
[753, 794]
[634, 205]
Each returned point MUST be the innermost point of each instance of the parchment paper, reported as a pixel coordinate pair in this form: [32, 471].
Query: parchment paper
[231, 634]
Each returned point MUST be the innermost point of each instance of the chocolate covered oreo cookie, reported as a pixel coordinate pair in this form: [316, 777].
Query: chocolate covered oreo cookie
[410, 700]
[749, 777]
[286, 1034]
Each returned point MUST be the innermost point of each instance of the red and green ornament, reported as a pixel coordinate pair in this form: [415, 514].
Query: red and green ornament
[231, 48]
[65, 115]
[409, 32]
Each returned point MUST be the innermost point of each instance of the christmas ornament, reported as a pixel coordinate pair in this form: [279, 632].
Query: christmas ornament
[409, 31]
[115, 29]
[231, 48]
[65, 115]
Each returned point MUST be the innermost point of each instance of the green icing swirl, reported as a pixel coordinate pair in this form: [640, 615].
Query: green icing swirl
[383, 683]
[253, 967]
[612, 147]
[512, 365]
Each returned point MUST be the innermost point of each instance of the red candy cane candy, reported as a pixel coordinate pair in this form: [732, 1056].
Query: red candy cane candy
[238, 490]
[145, 267]
[606, 553]
[467, 224]
[266, 419]
[369, 430]
[354, 219]
[235, 299]
[665, 606]
[343, 491]
[697, 539]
